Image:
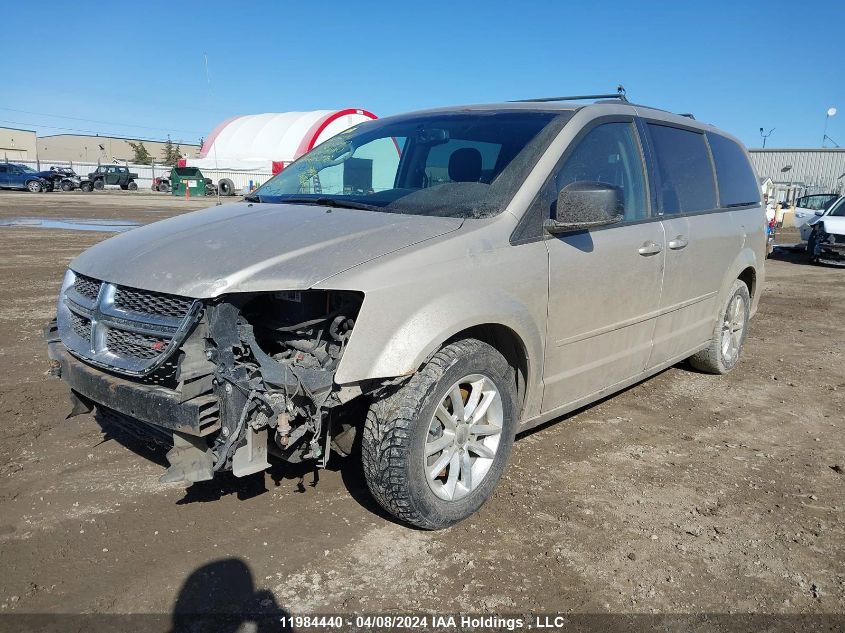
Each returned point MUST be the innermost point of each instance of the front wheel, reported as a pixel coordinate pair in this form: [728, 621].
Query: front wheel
[434, 449]
[729, 334]
[132, 186]
[811, 248]
[87, 187]
[66, 186]
[34, 186]
[99, 185]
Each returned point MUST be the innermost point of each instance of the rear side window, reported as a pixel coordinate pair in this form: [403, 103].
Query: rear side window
[686, 175]
[737, 182]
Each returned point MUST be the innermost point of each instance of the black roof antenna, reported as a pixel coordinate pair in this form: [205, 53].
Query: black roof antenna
[619, 94]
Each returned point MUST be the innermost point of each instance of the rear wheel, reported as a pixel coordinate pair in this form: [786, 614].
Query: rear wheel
[725, 347]
[34, 186]
[86, 187]
[66, 186]
[434, 450]
[162, 186]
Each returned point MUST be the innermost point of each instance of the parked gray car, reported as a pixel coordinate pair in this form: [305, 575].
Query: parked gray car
[417, 290]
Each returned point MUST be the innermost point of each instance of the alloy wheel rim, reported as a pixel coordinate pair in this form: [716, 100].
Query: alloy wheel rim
[463, 437]
[732, 328]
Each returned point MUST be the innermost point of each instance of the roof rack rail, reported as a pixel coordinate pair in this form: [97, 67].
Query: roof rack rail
[619, 94]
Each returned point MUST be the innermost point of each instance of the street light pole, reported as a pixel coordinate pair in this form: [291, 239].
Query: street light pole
[765, 136]
[830, 112]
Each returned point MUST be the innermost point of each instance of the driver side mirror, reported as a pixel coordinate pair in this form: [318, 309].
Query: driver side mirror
[585, 204]
[820, 212]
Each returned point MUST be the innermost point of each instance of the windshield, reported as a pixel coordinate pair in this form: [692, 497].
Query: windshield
[450, 165]
[26, 168]
[839, 209]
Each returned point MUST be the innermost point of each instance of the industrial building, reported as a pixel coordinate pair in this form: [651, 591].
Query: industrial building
[17, 144]
[797, 172]
[92, 148]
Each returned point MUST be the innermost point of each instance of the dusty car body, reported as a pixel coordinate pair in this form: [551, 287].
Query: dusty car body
[513, 278]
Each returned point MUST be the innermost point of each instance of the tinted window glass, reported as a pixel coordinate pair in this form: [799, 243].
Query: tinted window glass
[686, 176]
[610, 154]
[737, 182]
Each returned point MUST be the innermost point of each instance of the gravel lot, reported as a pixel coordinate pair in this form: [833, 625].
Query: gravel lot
[686, 493]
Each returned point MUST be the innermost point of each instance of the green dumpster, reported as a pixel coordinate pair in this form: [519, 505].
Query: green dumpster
[187, 182]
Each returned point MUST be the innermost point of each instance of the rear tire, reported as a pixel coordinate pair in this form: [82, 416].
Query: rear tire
[87, 187]
[729, 333]
[163, 188]
[428, 460]
[66, 186]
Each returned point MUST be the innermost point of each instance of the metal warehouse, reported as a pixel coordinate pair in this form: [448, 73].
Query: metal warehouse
[796, 172]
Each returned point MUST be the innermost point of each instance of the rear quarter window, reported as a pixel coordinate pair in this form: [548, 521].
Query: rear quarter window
[737, 182]
[684, 167]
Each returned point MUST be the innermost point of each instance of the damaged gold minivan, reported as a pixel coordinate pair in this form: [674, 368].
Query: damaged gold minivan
[417, 290]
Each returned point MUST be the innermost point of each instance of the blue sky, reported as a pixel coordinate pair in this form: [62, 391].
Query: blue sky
[137, 69]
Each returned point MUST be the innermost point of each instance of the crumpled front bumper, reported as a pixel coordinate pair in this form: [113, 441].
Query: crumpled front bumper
[149, 403]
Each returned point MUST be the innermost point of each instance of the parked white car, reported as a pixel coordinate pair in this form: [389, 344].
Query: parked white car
[826, 241]
[806, 229]
[808, 208]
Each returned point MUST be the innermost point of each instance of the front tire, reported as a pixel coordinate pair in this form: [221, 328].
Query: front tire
[811, 249]
[87, 187]
[99, 185]
[132, 186]
[34, 186]
[66, 186]
[434, 449]
[725, 347]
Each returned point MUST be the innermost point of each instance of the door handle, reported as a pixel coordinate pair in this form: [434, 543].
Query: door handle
[678, 243]
[649, 248]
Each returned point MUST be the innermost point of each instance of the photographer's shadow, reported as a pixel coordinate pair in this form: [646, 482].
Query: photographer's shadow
[221, 597]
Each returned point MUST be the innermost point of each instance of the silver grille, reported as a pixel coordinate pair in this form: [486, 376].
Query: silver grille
[125, 329]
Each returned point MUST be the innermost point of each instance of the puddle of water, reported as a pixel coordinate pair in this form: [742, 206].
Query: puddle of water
[71, 224]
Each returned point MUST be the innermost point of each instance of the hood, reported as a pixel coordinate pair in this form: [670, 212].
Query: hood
[833, 224]
[247, 247]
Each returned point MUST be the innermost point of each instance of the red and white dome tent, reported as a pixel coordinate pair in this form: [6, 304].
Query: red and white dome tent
[268, 142]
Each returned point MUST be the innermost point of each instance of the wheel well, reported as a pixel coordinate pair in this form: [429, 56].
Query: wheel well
[749, 278]
[508, 344]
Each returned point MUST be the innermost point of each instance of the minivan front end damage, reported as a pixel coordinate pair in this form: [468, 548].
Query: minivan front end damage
[225, 381]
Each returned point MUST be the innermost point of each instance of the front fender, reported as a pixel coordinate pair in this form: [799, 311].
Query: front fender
[383, 346]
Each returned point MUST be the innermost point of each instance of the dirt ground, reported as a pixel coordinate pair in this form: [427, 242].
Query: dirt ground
[686, 493]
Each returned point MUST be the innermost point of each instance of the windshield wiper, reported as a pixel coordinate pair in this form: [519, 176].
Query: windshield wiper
[333, 202]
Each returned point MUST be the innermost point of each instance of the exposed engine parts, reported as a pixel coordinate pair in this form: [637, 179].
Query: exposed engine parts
[274, 357]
